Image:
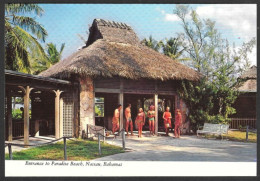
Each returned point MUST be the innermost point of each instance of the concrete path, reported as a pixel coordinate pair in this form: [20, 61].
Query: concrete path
[187, 148]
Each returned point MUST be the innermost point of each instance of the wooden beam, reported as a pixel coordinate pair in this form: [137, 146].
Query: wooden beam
[76, 111]
[156, 112]
[105, 90]
[26, 99]
[9, 115]
[57, 113]
[61, 118]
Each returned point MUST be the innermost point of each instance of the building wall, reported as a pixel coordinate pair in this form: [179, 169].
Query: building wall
[86, 104]
[245, 106]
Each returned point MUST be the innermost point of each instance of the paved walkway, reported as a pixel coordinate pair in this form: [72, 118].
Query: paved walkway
[187, 148]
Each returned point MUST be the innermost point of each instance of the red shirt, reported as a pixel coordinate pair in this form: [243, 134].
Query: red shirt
[167, 115]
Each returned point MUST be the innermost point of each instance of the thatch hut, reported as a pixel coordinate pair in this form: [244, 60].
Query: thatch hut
[245, 104]
[114, 67]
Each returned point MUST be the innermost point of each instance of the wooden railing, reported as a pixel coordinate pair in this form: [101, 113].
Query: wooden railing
[237, 123]
[18, 128]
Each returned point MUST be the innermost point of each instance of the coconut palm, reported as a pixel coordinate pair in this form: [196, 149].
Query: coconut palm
[53, 56]
[152, 43]
[171, 48]
[22, 34]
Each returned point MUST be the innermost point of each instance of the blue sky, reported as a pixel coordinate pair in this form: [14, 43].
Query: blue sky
[64, 21]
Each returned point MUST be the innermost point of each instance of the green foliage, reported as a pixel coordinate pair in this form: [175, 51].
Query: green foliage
[152, 43]
[210, 99]
[53, 55]
[21, 47]
[171, 48]
[16, 114]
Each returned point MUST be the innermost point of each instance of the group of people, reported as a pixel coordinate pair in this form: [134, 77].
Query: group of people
[140, 120]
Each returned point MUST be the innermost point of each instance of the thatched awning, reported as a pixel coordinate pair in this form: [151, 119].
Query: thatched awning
[249, 78]
[107, 57]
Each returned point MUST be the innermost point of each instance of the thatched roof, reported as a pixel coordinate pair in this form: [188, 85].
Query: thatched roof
[250, 80]
[250, 73]
[116, 51]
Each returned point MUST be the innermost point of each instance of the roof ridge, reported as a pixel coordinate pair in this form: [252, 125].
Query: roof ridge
[113, 24]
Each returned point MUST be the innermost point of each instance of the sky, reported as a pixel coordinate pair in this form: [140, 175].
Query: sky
[65, 22]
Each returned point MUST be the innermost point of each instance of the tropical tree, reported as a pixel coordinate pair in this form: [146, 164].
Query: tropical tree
[152, 43]
[53, 55]
[173, 49]
[22, 36]
[212, 97]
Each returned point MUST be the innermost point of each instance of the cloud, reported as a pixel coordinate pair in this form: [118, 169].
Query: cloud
[171, 17]
[167, 16]
[239, 18]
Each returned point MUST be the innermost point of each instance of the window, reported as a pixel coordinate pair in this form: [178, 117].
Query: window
[99, 106]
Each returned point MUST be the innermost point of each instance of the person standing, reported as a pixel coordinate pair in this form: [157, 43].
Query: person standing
[140, 120]
[178, 122]
[115, 119]
[129, 120]
[167, 117]
[151, 116]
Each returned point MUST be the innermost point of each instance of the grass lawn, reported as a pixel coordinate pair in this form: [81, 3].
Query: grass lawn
[236, 135]
[76, 150]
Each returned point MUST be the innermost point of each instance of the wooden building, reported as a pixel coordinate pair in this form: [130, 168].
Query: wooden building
[114, 67]
[52, 106]
[245, 104]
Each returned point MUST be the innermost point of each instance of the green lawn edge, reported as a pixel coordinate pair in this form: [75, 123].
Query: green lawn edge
[78, 150]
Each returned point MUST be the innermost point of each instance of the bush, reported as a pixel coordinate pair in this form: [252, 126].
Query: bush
[17, 114]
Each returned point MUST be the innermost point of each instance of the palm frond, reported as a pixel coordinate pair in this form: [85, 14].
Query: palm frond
[28, 23]
[23, 8]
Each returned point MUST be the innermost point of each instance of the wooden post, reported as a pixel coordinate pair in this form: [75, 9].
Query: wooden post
[37, 128]
[57, 113]
[26, 99]
[9, 115]
[156, 112]
[65, 148]
[104, 135]
[61, 118]
[10, 151]
[99, 145]
[121, 101]
[123, 138]
[247, 133]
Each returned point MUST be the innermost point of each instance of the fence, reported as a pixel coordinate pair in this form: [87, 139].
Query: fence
[237, 123]
[9, 144]
[18, 128]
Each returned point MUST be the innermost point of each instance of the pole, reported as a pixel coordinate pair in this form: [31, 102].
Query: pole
[10, 151]
[99, 146]
[65, 148]
[104, 135]
[247, 133]
[123, 138]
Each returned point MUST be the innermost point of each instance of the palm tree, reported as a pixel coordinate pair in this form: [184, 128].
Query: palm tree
[152, 43]
[171, 48]
[53, 56]
[22, 34]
